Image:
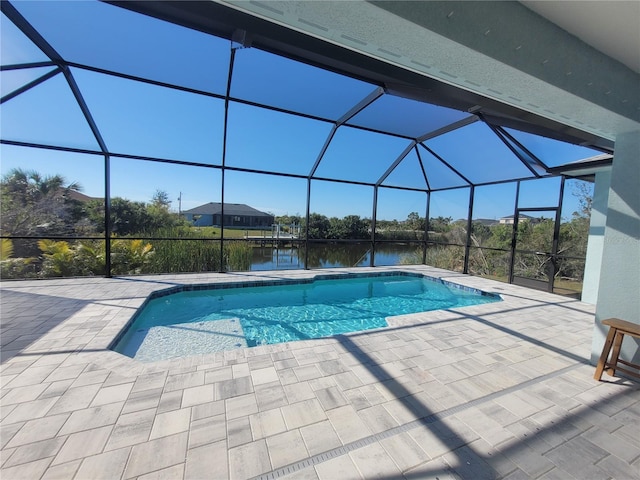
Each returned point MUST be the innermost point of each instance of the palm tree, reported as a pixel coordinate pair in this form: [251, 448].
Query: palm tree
[29, 186]
[34, 204]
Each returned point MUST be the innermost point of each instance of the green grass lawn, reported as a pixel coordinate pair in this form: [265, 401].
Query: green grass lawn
[228, 232]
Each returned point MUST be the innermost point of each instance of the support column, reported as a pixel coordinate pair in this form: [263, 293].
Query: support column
[620, 270]
[595, 244]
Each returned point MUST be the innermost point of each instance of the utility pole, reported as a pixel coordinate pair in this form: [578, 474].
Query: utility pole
[180, 204]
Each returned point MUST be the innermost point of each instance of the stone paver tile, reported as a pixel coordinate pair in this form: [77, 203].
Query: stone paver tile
[287, 376]
[170, 401]
[142, 400]
[307, 372]
[233, 388]
[297, 392]
[83, 444]
[332, 367]
[207, 430]
[39, 429]
[156, 455]
[26, 471]
[204, 410]
[116, 393]
[241, 406]
[116, 378]
[105, 466]
[5, 454]
[308, 473]
[492, 455]
[437, 469]
[485, 426]
[170, 423]
[267, 423]
[347, 380]
[249, 460]
[401, 411]
[64, 471]
[527, 459]
[340, 467]
[629, 433]
[571, 456]
[498, 413]
[373, 462]
[57, 389]
[373, 394]
[169, 473]
[184, 380]
[240, 370]
[31, 376]
[618, 468]
[6, 434]
[5, 410]
[76, 398]
[347, 424]
[614, 444]
[257, 361]
[70, 372]
[264, 375]
[196, 395]
[356, 399]
[404, 451]
[322, 383]
[23, 394]
[30, 410]
[35, 451]
[303, 413]
[149, 381]
[330, 398]
[270, 396]
[286, 448]
[555, 474]
[239, 431]
[516, 405]
[430, 440]
[320, 437]
[207, 461]
[468, 464]
[90, 377]
[131, 429]
[219, 374]
[377, 418]
[92, 418]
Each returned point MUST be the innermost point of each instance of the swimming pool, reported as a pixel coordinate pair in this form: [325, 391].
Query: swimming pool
[201, 319]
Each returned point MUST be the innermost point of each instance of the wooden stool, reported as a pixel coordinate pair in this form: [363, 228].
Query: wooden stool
[617, 330]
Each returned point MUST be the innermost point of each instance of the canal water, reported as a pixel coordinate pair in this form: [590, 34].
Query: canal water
[328, 256]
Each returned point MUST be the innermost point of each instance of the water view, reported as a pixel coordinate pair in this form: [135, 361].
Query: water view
[328, 256]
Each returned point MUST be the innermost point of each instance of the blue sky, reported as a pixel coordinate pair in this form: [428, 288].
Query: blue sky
[147, 120]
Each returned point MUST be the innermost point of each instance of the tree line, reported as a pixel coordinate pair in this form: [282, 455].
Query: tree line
[36, 205]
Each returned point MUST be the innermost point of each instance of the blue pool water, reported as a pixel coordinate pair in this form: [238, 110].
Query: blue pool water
[211, 318]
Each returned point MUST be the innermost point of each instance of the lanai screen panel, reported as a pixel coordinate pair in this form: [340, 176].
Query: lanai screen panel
[270, 140]
[15, 47]
[283, 83]
[11, 80]
[148, 120]
[409, 173]
[47, 114]
[552, 152]
[360, 155]
[478, 154]
[402, 116]
[103, 36]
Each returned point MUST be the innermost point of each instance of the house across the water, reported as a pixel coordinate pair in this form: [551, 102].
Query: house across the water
[235, 215]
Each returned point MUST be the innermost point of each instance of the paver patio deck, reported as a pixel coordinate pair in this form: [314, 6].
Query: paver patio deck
[502, 390]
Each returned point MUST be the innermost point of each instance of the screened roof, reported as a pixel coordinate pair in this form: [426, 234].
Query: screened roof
[102, 79]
